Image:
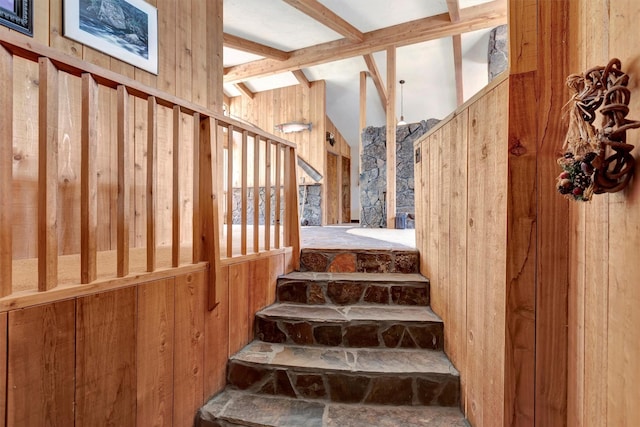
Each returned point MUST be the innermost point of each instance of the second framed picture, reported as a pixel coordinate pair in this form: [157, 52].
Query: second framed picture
[124, 29]
[18, 15]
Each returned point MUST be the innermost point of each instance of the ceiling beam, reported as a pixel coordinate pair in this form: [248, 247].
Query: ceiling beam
[375, 76]
[302, 79]
[255, 48]
[244, 90]
[454, 10]
[326, 17]
[457, 65]
[435, 27]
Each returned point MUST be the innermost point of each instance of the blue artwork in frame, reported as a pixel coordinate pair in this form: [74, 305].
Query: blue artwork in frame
[124, 29]
[17, 15]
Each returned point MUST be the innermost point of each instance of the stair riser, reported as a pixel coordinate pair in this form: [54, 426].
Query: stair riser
[383, 389]
[384, 334]
[365, 261]
[342, 292]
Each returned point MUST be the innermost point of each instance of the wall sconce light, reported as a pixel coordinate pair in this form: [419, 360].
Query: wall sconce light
[293, 127]
[401, 122]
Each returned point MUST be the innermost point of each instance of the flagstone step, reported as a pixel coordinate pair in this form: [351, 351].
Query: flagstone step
[236, 408]
[351, 326]
[346, 375]
[353, 288]
[350, 260]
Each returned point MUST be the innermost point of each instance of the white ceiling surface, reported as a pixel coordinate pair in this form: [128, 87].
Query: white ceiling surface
[427, 68]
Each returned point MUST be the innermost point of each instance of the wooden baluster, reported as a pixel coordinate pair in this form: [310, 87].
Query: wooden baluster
[89, 180]
[6, 166]
[152, 179]
[278, 189]
[47, 176]
[124, 181]
[243, 196]
[256, 194]
[230, 191]
[175, 234]
[267, 197]
[197, 218]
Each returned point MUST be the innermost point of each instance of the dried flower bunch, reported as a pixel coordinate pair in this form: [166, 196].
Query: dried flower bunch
[597, 160]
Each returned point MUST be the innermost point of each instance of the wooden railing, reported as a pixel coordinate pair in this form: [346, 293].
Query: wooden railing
[187, 179]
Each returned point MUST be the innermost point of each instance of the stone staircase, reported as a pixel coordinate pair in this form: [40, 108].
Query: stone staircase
[355, 348]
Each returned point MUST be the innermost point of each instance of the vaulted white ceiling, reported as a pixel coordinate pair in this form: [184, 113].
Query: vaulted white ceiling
[427, 67]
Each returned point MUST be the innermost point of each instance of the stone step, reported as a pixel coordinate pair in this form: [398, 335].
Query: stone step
[371, 376]
[351, 326]
[353, 288]
[360, 260]
[236, 408]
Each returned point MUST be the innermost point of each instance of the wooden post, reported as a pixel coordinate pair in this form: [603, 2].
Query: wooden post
[229, 191]
[124, 181]
[391, 137]
[175, 231]
[278, 191]
[256, 194]
[267, 196]
[48, 176]
[89, 180]
[6, 166]
[292, 219]
[209, 206]
[152, 179]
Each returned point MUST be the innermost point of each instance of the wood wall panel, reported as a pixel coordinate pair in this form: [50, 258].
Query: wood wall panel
[191, 306]
[238, 307]
[461, 234]
[155, 345]
[331, 215]
[217, 339]
[3, 369]
[41, 364]
[106, 359]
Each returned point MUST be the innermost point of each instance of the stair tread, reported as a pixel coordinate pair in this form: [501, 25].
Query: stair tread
[362, 360]
[336, 314]
[242, 408]
[359, 277]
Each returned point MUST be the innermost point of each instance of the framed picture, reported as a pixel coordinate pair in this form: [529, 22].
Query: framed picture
[18, 15]
[124, 29]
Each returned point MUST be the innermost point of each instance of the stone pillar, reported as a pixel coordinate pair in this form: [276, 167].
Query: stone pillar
[498, 53]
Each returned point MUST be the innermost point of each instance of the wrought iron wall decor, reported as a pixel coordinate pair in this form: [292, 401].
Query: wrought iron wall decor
[597, 160]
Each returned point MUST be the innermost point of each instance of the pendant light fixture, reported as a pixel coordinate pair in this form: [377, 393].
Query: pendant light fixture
[401, 122]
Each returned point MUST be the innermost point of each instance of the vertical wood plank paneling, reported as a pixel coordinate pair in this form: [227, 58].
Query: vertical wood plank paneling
[199, 75]
[3, 369]
[89, 180]
[124, 141]
[48, 176]
[191, 305]
[293, 219]
[623, 317]
[521, 253]
[183, 49]
[152, 179]
[56, 38]
[553, 20]
[6, 174]
[175, 229]
[216, 349]
[41, 365]
[106, 359]
[258, 288]
[155, 347]
[276, 268]
[443, 209]
[438, 300]
[215, 68]
[238, 306]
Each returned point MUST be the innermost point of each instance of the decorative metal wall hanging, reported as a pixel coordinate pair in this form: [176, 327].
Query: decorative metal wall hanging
[597, 160]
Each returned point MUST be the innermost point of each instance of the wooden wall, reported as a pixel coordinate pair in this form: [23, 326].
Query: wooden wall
[297, 103]
[143, 355]
[461, 232]
[604, 333]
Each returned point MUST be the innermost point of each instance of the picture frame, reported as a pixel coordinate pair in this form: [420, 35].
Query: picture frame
[17, 15]
[124, 29]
